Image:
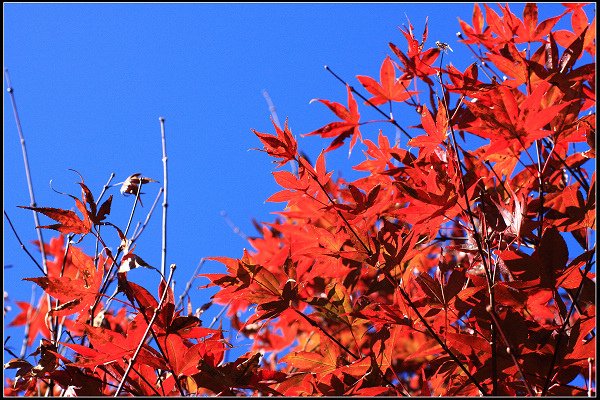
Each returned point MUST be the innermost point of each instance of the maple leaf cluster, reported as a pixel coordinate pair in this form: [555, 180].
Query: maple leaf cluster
[443, 271]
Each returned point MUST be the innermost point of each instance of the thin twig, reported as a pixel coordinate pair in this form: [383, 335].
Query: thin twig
[36, 220]
[146, 381]
[109, 275]
[188, 286]
[393, 121]
[212, 323]
[105, 187]
[590, 376]
[573, 172]
[165, 204]
[135, 202]
[136, 235]
[32, 203]
[58, 326]
[333, 204]
[316, 325]
[438, 339]
[480, 58]
[561, 331]
[233, 226]
[8, 350]
[272, 109]
[25, 343]
[476, 235]
[22, 245]
[510, 350]
[273, 112]
[148, 328]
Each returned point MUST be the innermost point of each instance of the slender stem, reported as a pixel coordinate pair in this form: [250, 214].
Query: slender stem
[109, 276]
[25, 343]
[9, 351]
[316, 179]
[510, 350]
[316, 325]
[233, 226]
[466, 195]
[32, 203]
[165, 203]
[541, 184]
[135, 202]
[561, 331]
[388, 119]
[438, 339]
[478, 240]
[58, 325]
[136, 233]
[273, 112]
[22, 245]
[11, 92]
[214, 320]
[479, 57]
[146, 381]
[573, 172]
[590, 376]
[105, 187]
[272, 109]
[148, 328]
[188, 286]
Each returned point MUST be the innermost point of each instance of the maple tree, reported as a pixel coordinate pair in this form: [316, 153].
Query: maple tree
[443, 271]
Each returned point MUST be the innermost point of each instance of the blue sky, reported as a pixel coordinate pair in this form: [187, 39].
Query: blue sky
[91, 81]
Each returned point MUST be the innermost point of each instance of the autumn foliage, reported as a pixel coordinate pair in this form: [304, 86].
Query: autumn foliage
[444, 270]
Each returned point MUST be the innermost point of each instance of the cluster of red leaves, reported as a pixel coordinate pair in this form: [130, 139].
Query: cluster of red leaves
[145, 347]
[443, 271]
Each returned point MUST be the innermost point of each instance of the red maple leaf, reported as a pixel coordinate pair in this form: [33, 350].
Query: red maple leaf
[35, 317]
[76, 293]
[528, 30]
[110, 346]
[390, 88]
[282, 146]
[416, 63]
[68, 221]
[341, 130]
[437, 130]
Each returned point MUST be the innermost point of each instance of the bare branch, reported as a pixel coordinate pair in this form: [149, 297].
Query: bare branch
[165, 204]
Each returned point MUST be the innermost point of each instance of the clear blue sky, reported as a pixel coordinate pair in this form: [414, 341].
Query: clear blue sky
[91, 81]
